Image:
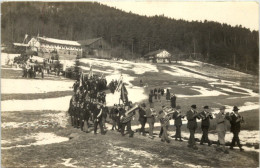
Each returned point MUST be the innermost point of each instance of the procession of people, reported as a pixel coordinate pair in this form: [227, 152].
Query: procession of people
[88, 107]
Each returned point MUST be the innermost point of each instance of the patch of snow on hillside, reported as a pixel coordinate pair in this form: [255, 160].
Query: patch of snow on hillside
[136, 152]
[13, 68]
[5, 57]
[207, 92]
[22, 86]
[137, 68]
[187, 63]
[204, 92]
[182, 73]
[41, 139]
[56, 104]
[94, 70]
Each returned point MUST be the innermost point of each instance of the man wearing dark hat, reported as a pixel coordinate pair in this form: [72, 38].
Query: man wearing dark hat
[221, 129]
[142, 118]
[192, 117]
[164, 118]
[77, 115]
[235, 120]
[173, 101]
[150, 114]
[177, 116]
[205, 123]
[86, 117]
[113, 116]
[151, 99]
[97, 115]
[126, 124]
[82, 112]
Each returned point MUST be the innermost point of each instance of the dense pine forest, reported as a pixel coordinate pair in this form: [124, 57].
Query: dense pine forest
[213, 42]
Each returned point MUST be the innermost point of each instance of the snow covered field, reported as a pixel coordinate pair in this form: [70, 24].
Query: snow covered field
[5, 58]
[23, 86]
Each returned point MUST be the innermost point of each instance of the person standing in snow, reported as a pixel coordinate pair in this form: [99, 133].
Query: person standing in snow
[142, 118]
[168, 95]
[151, 99]
[222, 121]
[164, 120]
[173, 101]
[235, 120]
[192, 117]
[97, 115]
[177, 116]
[155, 93]
[150, 115]
[206, 116]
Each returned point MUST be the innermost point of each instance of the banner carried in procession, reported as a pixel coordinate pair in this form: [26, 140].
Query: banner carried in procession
[119, 85]
[124, 93]
[90, 75]
[81, 79]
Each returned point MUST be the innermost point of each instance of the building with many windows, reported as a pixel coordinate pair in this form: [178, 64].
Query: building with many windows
[67, 49]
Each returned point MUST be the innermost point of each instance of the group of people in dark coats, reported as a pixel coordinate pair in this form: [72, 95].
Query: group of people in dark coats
[88, 104]
[155, 95]
[112, 85]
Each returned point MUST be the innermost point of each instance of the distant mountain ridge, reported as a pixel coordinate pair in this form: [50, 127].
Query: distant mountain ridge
[129, 33]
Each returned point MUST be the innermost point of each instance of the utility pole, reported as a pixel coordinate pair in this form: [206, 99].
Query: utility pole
[132, 47]
[234, 61]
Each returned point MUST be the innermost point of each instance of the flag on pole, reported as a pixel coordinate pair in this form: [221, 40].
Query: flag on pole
[124, 94]
[120, 82]
[81, 80]
[102, 76]
[90, 72]
[25, 37]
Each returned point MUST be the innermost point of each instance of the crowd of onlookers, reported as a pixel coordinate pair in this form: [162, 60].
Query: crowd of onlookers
[156, 94]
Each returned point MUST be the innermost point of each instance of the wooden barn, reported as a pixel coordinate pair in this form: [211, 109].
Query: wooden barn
[158, 56]
[68, 50]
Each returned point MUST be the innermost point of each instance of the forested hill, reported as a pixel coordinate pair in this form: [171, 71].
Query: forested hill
[216, 43]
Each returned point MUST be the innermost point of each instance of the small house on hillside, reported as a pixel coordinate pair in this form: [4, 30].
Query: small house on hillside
[158, 56]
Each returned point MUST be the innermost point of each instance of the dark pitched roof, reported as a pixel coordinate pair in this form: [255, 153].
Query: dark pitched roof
[89, 41]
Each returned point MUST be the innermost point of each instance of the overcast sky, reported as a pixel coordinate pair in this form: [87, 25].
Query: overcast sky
[233, 13]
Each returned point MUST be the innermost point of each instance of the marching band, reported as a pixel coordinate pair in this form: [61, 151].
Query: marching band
[86, 106]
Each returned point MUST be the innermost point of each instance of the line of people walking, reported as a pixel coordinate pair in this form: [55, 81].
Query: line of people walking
[85, 108]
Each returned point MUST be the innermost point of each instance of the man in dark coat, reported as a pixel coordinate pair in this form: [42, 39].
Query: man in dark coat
[168, 95]
[192, 117]
[173, 101]
[235, 120]
[155, 93]
[86, 116]
[177, 116]
[72, 107]
[75, 86]
[162, 92]
[113, 113]
[205, 123]
[150, 114]
[77, 115]
[81, 115]
[126, 124]
[97, 115]
[151, 100]
[142, 118]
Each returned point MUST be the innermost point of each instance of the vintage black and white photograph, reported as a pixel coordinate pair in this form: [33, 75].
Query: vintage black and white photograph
[139, 84]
